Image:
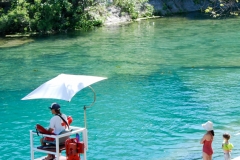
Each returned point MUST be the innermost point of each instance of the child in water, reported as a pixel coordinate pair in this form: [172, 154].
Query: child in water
[227, 146]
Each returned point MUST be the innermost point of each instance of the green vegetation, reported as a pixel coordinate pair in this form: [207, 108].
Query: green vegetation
[51, 16]
[45, 16]
[223, 8]
[133, 7]
[197, 1]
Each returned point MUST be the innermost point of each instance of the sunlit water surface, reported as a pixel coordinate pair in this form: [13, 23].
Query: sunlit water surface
[165, 78]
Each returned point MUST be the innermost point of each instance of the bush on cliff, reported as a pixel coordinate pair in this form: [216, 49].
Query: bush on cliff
[223, 8]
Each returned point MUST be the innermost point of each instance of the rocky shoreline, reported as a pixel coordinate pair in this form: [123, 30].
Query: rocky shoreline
[161, 8]
[113, 15]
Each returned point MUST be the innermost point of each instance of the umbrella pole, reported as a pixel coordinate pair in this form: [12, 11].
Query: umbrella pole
[85, 107]
[85, 116]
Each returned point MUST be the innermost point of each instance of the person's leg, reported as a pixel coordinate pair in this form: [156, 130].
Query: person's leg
[210, 157]
[49, 157]
[225, 156]
[41, 141]
[206, 156]
[228, 156]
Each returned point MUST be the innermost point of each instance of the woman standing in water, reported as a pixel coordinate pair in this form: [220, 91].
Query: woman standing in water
[207, 141]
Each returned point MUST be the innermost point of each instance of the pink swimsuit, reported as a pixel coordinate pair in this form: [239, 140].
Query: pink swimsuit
[207, 147]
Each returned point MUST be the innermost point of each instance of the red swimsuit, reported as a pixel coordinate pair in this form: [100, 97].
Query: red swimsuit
[207, 147]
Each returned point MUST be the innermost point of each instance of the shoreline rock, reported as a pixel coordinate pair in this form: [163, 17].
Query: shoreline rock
[161, 8]
[115, 16]
[178, 6]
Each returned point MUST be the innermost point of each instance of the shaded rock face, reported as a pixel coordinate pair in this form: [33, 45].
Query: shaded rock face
[110, 14]
[115, 17]
[163, 7]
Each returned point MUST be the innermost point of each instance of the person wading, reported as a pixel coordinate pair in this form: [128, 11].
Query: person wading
[207, 140]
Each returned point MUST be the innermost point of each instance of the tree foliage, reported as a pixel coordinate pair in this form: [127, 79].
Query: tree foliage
[133, 6]
[45, 16]
[49, 16]
[223, 8]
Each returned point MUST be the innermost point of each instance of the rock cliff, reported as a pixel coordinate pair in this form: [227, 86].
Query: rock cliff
[161, 8]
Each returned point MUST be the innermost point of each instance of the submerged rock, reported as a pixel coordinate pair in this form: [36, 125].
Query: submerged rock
[14, 42]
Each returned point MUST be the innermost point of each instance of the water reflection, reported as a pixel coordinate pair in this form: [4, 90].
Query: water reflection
[166, 77]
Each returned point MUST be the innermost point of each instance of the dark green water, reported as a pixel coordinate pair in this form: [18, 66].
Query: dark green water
[165, 78]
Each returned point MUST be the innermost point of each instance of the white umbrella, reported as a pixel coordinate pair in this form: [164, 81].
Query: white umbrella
[64, 87]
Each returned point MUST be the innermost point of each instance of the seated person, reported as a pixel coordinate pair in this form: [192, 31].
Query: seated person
[57, 126]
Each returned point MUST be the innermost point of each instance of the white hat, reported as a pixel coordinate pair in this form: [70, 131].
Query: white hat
[208, 126]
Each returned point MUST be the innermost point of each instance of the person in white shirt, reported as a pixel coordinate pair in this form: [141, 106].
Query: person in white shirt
[57, 125]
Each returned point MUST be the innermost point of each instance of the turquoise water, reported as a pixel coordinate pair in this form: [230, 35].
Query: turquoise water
[165, 78]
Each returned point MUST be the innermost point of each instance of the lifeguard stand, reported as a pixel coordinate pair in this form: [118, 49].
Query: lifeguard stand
[57, 149]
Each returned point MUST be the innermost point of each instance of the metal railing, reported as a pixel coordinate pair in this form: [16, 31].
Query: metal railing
[75, 130]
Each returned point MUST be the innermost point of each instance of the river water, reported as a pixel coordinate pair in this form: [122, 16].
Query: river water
[166, 77]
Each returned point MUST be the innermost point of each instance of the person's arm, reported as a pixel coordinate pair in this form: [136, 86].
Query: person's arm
[51, 126]
[50, 129]
[203, 139]
[231, 147]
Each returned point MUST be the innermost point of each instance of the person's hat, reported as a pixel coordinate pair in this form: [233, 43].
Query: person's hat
[54, 106]
[208, 126]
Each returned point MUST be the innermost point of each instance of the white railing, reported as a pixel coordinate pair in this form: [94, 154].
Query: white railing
[57, 153]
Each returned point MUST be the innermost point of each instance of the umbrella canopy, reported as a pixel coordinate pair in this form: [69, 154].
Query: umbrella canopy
[63, 87]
